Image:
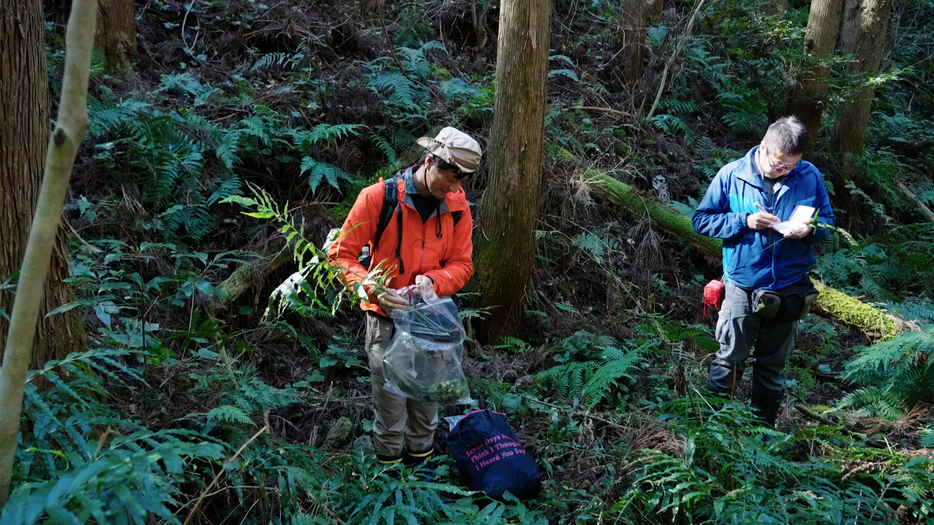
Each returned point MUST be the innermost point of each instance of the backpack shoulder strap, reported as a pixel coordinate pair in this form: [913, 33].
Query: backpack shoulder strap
[390, 201]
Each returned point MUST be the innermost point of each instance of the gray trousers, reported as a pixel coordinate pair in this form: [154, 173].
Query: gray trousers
[742, 333]
[400, 422]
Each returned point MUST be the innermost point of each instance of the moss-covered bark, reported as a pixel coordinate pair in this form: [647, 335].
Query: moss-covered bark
[833, 304]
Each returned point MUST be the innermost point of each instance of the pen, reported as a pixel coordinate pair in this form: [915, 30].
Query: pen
[760, 207]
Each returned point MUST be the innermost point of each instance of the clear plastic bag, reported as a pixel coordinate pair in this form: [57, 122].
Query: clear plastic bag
[423, 360]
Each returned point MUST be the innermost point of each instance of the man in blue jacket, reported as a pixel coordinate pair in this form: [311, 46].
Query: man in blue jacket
[766, 259]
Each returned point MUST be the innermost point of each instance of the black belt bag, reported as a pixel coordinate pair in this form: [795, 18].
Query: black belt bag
[791, 303]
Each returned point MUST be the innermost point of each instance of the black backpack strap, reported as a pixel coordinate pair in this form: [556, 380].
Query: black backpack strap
[399, 244]
[456, 215]
[390, 203]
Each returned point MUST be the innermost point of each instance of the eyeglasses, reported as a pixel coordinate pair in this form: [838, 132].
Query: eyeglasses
[778, 167]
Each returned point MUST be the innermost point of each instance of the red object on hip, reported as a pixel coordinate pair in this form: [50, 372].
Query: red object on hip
[713, 294]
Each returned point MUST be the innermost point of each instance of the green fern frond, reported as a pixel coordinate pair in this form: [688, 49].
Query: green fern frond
[617, 365]
[873, 289]
[109, 114]
[285, 60]
[567, 380]
[327, 133]
[321, 171]
[195, 221]
[563, 58]
[456, 89]
[893, 375]
[403, 93]
[226, 414]
[926, 437]
[257, 127]
[672, 124]
[569, 73]
[187, 84]
[385, 146]
[224, 188]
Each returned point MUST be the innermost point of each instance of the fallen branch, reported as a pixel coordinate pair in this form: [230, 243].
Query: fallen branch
[844, 428]
[244, 277]
[602, 110]
[928, 214]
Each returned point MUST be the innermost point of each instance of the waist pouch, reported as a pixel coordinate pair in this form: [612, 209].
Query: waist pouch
[791, 303]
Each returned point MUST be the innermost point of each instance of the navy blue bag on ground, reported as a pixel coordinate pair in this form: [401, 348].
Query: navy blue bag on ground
[490, 457]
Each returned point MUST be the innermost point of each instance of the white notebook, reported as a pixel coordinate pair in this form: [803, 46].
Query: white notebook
[799, 216]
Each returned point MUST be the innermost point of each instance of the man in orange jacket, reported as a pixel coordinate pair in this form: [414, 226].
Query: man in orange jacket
[433, 253]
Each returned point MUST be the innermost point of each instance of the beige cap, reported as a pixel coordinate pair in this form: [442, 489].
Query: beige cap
[455, 147]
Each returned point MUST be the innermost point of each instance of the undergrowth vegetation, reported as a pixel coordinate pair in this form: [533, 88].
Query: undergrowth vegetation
[204, 400]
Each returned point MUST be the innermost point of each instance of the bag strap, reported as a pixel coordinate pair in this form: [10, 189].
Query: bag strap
[390, 200]
[390, 203]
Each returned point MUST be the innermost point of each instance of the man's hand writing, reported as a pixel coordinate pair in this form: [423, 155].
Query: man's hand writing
[761, 220]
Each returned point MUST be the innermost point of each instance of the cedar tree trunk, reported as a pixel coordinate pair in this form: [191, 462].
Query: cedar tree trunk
[634, 16]
[24, 133]
[116, 34]
[808, 99]
[863, 34]
[505, 244]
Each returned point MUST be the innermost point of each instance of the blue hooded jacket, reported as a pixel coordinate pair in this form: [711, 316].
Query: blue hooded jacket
[762, 259]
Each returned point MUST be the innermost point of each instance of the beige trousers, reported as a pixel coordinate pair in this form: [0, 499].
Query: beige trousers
[400, 422]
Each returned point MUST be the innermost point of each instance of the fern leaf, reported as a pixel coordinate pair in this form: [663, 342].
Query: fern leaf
[385, 146]
[226, 414]
[321, 171]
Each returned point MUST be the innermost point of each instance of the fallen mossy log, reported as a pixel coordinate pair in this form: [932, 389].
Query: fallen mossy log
[833, 304]
[244, 277]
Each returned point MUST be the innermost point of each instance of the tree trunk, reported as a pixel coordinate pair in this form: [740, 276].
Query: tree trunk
[24, 132]
[631, 31]
[21, 28]
[116, 34]
[833, 304]
[863, 34]
[505, 245]
[820, 38]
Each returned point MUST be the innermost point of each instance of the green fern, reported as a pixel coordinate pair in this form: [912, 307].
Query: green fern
[674, 125]
[416, 60]
[226, 414]
[926, 437]
[322, 171]
[403, 94]
[127, 479]
[617, 365]
[283, 60]
[457, 90]
[593, 367]
[385, 146]
[568, 73]
[184, 83]
[892, 375]
[325, 133]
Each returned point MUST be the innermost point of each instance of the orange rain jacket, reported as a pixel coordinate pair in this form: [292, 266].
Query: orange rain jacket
[445, 259]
